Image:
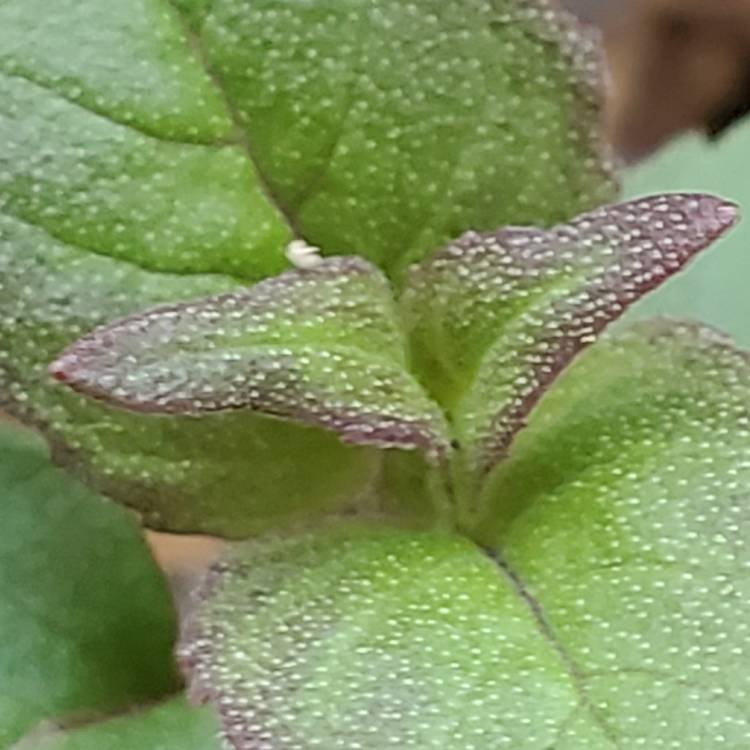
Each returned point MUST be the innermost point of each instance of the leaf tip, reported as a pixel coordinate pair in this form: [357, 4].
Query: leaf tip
[78, 368]
[697, 217]
[63, 369]
[728, 213]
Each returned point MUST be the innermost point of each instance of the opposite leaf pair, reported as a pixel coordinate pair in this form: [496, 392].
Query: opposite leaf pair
[453, 366]
[372, 127]
[609, 610]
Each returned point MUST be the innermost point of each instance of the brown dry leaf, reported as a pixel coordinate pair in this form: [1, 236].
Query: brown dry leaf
[676, 65]
[184, 558]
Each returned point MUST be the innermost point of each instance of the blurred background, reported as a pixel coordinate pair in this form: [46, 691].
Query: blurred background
[678, 101]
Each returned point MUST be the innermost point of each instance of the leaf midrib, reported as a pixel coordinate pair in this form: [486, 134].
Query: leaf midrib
[545, 629]
[136, 127]
[240, 135]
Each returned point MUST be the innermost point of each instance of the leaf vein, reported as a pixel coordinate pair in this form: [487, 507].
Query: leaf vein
[577, 676]
[141, 130]
[240, 135]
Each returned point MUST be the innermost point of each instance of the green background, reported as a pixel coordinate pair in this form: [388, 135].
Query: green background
[715, 288]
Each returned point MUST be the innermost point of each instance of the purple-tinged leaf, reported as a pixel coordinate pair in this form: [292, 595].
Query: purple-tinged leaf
[371, 638]
[495, 318]
[321, 347]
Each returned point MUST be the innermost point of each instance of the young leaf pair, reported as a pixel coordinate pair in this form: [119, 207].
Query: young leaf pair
[452, 365]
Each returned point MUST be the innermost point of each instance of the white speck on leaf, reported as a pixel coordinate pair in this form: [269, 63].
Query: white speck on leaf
[303, 256]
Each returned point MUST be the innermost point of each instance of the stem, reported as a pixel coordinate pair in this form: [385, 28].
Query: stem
[443, 494]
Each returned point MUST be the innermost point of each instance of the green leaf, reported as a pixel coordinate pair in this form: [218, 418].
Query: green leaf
[144, 150]
[495, 318]
[320, 346]
[714, 290]
[611, 611]
[117, 141]
[171, 726]
[86, 622]
[180, 473]
[190, 137]
[372, 638]
[388, 128]
[624, 509]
